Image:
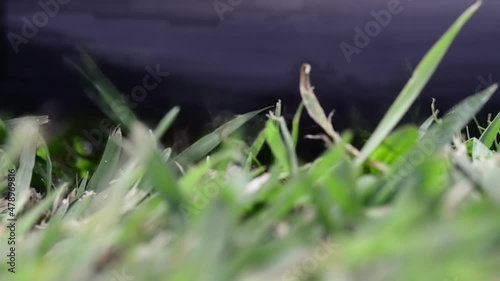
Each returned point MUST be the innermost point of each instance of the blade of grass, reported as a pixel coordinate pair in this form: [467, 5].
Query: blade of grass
[255, 149]
[479, 150]
[296, 123]
[166, 122]
[48, 165]
[3, 130]
[191, 180]
[107, 167]
[312, 104]
[422, 130]
[83, 185]
[167, 152]
[317, 113]
[491, 133]
[206, 144]
[35, 120]
[275, 142]
[26, 165]
[395, 145]
[30, 218]
[437, 137]
[413, 88]
[288, 143]
[155, 168]
[112, 100]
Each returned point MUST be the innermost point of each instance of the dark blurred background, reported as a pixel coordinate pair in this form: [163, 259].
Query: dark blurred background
[240, 55]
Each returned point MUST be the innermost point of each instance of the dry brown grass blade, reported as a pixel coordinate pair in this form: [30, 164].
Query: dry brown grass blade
[317, 113]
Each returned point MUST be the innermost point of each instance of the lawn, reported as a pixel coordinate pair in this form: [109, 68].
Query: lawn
[415, 202]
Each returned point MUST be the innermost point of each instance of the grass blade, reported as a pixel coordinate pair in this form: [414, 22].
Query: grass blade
[30, 218]
[255, 149]
[107, 167]
[295, 124]
[275, 142]
[26, 165]
[288, 142]
[155, 168]
[422, 130]
[83, 185]
[112, 103]
[36, 120]
[312, 104]
[48, 165]
[166, 122]
[479, 150]
[437, 137]
[412, 90]
[206, 144]
[490, 134]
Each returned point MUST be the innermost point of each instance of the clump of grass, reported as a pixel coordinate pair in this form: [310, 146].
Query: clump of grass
[213, 212]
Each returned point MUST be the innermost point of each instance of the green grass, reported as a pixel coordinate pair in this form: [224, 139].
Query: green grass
[419, 202]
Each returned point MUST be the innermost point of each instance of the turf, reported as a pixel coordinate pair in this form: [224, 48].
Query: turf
[416, 202]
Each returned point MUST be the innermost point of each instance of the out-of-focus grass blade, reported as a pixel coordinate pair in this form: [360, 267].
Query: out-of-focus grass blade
[422, 130]
[333, 175]
[34, 120]
[3, 130]
[198, 262]
[490, 134]
[190, 182]
[166, 122]
[412, 90]
[255, 149]
[469, 145]
[164, 181]
[107, 167]
[78, 208]
[113, 101]
[14, 146]
[215, 226]
[285, 200]
[324, 164]
[336, 198]
[83, 185]
[479, 150]
[167, 152]
[395, 145]
[437, 137]
[26, 165]
[30, 218]
[277, 109]
[206, 144]
[48, 164]
[323, 203]
[155, 168]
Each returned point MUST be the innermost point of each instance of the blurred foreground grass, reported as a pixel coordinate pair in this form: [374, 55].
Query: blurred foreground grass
[415, 203]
